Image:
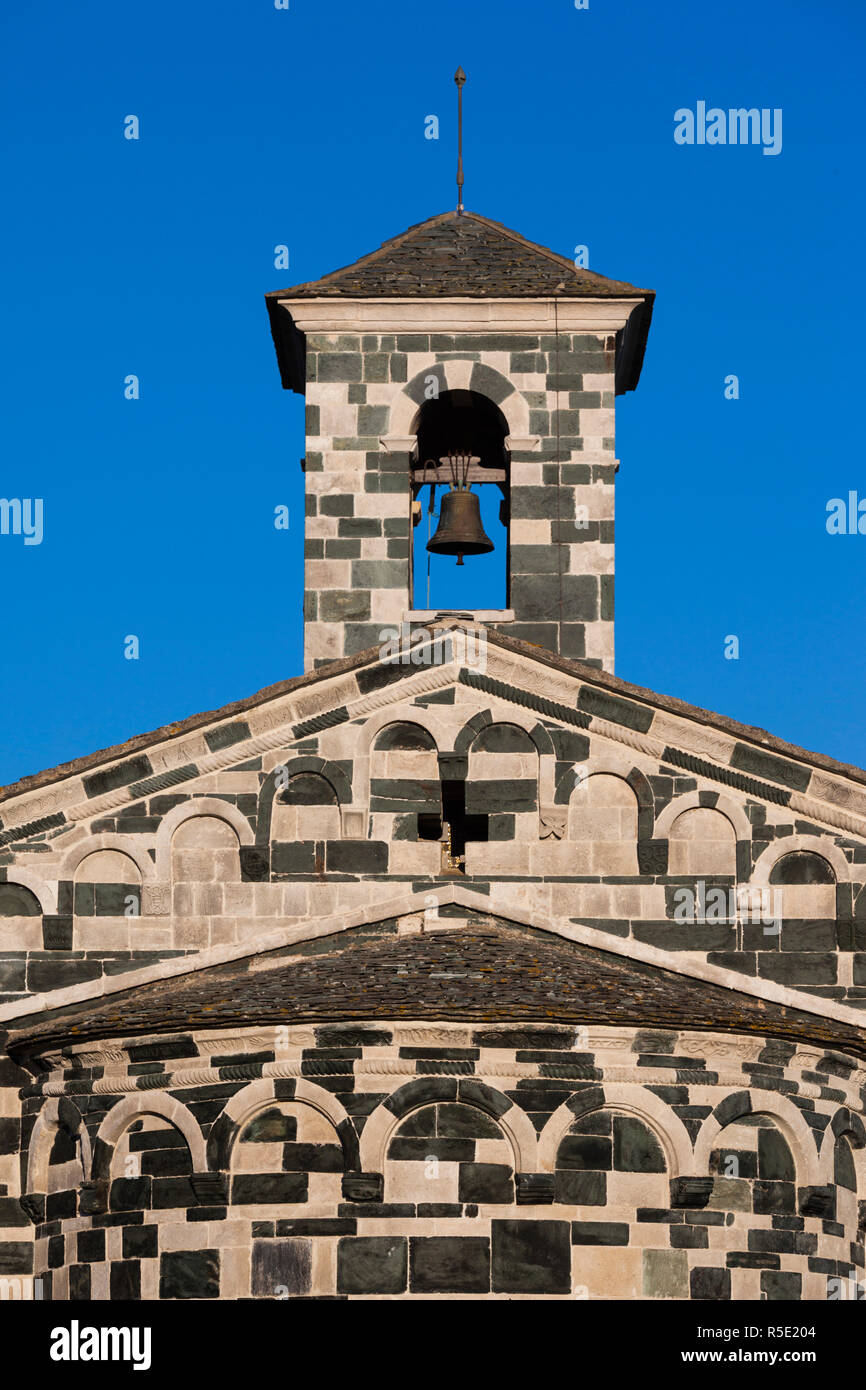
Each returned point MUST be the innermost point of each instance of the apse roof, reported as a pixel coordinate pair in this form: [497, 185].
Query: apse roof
[483, 968]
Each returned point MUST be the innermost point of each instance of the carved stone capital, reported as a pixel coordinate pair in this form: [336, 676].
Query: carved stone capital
[33, 1206]
[363, 1187]
[93, 1198]
[535, 1189]
[155, 899]
[817, 1201]
[211, 1189]
[692, 1193]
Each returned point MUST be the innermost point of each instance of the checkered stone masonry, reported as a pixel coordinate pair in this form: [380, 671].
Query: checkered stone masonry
[409, 1160]
[358, 530]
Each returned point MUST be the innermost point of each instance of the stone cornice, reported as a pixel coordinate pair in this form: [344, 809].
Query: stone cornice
[330, 315]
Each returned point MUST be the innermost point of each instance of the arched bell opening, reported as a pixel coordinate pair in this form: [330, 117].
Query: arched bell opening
[459, 499]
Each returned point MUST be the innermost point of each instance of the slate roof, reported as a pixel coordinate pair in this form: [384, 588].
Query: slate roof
[483, 969]
[462, 255]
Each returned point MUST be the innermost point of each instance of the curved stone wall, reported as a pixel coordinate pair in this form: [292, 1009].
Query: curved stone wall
[444, 1160]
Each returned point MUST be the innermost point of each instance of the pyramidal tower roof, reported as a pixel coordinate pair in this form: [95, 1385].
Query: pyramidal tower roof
[458, 256]
[462, 254]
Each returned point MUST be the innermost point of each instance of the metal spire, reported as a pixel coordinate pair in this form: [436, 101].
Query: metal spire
[460, 78]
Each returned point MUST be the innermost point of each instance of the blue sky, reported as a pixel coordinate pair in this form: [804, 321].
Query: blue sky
[305, 127]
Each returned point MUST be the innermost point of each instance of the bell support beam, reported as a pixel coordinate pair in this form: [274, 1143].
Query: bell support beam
[442, 475]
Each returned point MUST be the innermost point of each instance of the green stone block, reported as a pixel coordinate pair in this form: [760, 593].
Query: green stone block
[569, 423]
[355, 443]
[375, 366]
[340, 366]
[528, 362]
[665, 1274]
[506, 342]
[339, 605]
[378, 574]
[607, 598]
[731, 1194]
[373, 420]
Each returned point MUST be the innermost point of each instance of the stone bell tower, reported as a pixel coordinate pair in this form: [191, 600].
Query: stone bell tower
[460, 326]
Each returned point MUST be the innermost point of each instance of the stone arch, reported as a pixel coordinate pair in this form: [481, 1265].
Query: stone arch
[738, 1105]
[134, 1107]
[426, 743]
[129, 867]
[458, 374]
[18, 900]
[187, 810]
[481, 723]
[436, 724]
[331, 772]
[307, 809]
[449, 1152]
[121, 844]
[514, 1122]
[691, 801]
[537, 734]
[43, 890]
[844, 1125]
[613, 765]
[246, 1103]
[605, 821]
[106, 883]
[792, 844]
[471, 729]
[485, 719]
[57, 1113]
[702, 842]
[511, 733]
[626, 1098]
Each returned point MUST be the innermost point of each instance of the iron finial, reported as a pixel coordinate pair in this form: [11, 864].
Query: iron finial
[459, 78]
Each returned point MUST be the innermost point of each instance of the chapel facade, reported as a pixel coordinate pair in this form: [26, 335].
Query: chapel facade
[456, 966]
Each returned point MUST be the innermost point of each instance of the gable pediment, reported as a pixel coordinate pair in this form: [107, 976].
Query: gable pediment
[272, 865]
[747, 761]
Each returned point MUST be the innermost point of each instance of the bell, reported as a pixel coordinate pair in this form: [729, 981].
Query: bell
[460, 531]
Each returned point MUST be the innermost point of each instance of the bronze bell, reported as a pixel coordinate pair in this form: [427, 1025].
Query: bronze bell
[460, 531]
